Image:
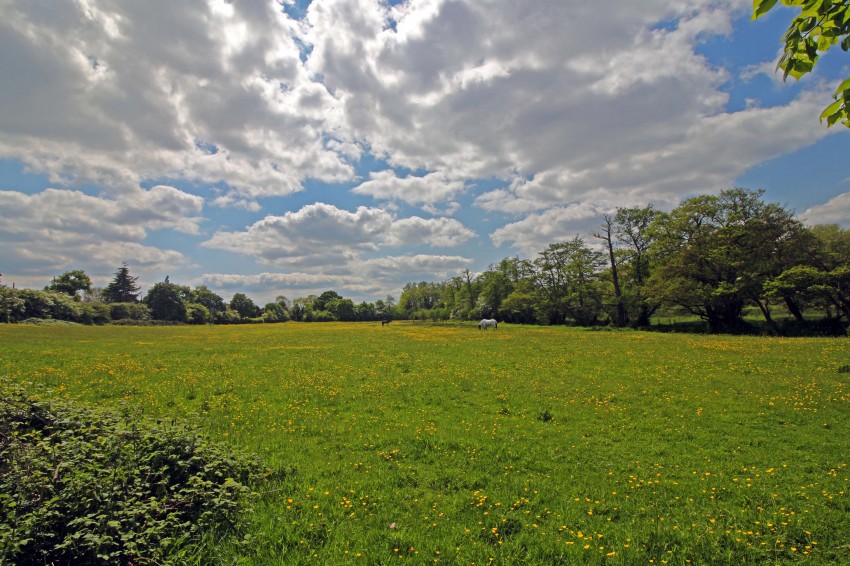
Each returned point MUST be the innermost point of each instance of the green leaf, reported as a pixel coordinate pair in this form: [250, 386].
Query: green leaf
[761, 7]
[845, 85]
[830, 112]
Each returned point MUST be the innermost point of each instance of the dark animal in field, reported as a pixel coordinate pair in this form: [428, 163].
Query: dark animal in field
[385, 321]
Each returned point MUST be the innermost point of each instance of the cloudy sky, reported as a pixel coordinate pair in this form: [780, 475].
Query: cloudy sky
[291, 147]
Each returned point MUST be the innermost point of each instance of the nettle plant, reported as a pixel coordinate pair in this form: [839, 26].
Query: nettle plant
[80, 484]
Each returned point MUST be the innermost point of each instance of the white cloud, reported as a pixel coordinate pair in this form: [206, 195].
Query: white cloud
[430, 189]
[533, 233]
[56, 228]
[835, 211]
[118, 93]
[406, 268]
[323, 235]
[317, 234]
[436, 232]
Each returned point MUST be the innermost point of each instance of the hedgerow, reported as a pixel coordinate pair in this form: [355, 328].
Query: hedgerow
[82, 484]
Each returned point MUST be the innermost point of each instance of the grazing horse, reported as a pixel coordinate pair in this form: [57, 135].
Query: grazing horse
[488, 322]
[385, 321]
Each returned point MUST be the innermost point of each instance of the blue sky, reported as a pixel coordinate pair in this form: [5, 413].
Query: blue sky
[356, 145]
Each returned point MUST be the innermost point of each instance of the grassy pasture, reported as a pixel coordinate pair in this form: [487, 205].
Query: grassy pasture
[444, 444]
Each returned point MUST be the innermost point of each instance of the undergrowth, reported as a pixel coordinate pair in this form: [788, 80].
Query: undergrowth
[82, 484]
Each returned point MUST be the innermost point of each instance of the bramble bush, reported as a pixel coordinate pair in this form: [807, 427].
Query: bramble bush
[80, 484]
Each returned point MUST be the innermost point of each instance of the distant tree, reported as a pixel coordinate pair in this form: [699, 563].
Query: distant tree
[419, 298]
[123, 288]
[606, 233]
[633, 230]
[302, 308]
[274, 312]
[716, 252]
[197, 314]
[520, 306]
[365, 311]
[129, 311]
[165, 302]
[244, 306]
[71, 282]
[322, 300]
[283, 302]
[341, 309]
[820, 26]
[568, 281]
[213, 303]
[823, 279]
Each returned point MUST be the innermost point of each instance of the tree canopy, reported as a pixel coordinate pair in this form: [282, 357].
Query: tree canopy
[123, 288]
[820, 26]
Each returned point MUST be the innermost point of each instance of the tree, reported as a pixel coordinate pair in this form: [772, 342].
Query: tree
[820, 25]
[606, 234]
[122, 288]
[634, 237]
[71, 282]
[366, 311]
[341, 309]
[520, 306]
[213, 303]
[321, 302]
[823, 279]
[165, 303]
[716, 252]
[244, 306]
[568, 280]
[274, 312]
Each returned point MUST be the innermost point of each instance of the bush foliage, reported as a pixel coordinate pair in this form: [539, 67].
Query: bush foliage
[80, 484]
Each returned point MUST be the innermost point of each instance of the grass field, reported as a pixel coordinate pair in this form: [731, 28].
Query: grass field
[444, 444]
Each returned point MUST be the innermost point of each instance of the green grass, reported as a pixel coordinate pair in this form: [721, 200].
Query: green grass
[444, 444]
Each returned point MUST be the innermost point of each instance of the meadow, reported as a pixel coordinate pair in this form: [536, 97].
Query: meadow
[443, 444]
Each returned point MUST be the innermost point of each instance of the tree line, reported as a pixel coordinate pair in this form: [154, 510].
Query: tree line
[714, 256]
[71, 297]
[717, 257]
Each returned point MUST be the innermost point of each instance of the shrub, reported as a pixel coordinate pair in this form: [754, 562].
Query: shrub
[323, 316]
[88, 485]
[197, 314]
[129, 311]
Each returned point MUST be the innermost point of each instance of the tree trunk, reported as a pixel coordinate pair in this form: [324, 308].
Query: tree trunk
[793, 308]
[606, 235]
[765, 311]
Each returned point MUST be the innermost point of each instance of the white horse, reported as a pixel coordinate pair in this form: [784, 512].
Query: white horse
[488, 322]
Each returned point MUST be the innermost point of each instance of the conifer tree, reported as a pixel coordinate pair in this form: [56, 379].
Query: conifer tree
[122, 288]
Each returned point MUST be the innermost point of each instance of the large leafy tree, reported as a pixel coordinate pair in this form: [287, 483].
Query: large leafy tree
[165, 302]
[123, 288]
[210, 300]
[634, 236]
[716, 252]
[71, 282]
[569, 282]
[244, 306]
[823, 278]
[820, 26]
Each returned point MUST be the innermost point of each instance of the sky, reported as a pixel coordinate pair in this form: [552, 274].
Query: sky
[292, 147]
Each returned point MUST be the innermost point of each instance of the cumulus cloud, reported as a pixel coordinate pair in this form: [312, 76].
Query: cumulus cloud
[435, 232]
[116, 94]
[56, 228]
[322, 234]
[835, 211]
[317, 234]
[536, 231]
[430, 189]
